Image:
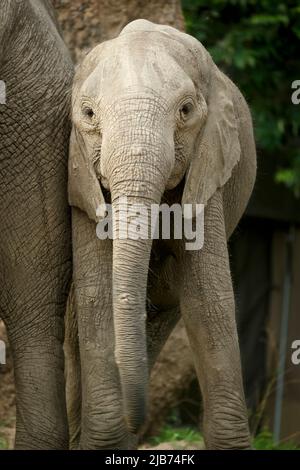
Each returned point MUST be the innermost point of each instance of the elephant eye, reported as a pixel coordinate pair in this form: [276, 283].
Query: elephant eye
[186, 110]
[88, 112]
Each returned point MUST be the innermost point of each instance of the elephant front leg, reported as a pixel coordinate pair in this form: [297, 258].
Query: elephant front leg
[40, 398]
[102, 422]
[35, 271]
[35, 325]
[208, 311]
[72, 372]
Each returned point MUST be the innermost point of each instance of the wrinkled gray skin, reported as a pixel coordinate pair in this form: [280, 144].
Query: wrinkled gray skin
[35, 235]
[154, 119]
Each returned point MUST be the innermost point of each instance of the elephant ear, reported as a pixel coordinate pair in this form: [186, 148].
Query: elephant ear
[84, 189]
[218, 147]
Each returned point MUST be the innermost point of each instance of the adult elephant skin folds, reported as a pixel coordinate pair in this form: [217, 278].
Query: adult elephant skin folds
[35, 235]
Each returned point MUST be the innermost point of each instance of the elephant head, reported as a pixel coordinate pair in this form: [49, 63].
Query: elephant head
[150, 109]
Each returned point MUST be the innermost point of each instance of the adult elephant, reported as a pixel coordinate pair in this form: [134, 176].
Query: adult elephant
[154, 118]
[35, 235]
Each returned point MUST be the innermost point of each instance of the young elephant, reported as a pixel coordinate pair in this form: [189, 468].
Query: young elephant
[155, 118]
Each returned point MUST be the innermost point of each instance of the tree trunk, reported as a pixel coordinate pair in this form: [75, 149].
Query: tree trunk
[86, 23]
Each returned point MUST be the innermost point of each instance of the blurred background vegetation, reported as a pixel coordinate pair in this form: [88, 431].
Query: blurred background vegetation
[257, 43]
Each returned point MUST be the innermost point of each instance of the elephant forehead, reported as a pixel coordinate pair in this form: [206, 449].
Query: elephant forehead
[185, 49]
[141, 67]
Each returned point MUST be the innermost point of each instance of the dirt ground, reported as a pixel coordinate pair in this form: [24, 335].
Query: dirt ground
[7, 397]
[176, 445]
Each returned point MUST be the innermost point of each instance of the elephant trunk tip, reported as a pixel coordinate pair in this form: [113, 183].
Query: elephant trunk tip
[134, 387]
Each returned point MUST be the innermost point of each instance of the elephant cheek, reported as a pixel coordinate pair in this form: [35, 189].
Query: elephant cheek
[178, 172]
[84, 189]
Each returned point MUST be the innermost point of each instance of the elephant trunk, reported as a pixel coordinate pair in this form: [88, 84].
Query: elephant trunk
[130, 268]
[142, 184]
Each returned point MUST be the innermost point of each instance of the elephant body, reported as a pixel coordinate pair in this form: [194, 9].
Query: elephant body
[156, 121]
[35, 238]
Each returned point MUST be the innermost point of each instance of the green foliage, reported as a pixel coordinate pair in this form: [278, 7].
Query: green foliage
[257, 43]
[263, 441]
[3, 443]
[173, 434]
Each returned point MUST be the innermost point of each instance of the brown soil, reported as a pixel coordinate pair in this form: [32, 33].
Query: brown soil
[7, 397]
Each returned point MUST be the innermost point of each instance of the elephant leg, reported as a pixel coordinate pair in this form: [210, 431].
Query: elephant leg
[40, 388]
[102, 424]
[208, 312]
[33, 309]
[35, 260]
[72, 371]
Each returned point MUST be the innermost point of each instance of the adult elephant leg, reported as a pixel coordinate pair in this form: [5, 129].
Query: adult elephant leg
[209, 316]
[35, 265]
[102, 424]
[40, 388]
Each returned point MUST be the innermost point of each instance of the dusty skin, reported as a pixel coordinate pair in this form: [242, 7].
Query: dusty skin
[35, 239]
[155, 120]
